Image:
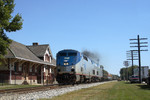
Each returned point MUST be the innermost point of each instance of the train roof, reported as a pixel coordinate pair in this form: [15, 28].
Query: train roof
[68, 50]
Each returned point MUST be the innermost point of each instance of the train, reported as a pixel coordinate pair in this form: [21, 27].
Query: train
[73, 67]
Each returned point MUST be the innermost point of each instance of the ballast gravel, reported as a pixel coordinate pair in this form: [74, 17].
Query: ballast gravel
[48, 93]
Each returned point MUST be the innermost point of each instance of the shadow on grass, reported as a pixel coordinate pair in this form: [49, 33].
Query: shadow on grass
[146, 87]
[142, 86]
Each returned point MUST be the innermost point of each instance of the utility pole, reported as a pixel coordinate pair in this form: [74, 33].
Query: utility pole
[132, 61]
[126, 63]
[131, 55]
[139, 51]
[139, 59]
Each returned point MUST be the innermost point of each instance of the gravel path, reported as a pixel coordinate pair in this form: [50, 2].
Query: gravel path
[48, 93]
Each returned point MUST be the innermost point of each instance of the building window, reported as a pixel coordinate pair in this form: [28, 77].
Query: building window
[15, 66]
[30, 68]
[94, 72]
[12, 66]
[20, 67]
[35, 69]
[52, 71]
[47, 58]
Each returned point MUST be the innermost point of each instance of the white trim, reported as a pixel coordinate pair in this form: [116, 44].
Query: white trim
[50, 59]
[34, 61]
[50, 70]
[10, 74]
[12, 66]
[44, 69]
[46, 53]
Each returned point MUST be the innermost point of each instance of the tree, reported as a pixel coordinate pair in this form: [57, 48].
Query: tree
[123, 72]
[105, 73]
[8, 23]
[130, 69]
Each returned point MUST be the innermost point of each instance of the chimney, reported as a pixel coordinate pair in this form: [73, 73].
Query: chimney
[35, 44]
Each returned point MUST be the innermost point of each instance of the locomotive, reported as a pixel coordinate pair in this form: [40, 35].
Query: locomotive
[74, 67]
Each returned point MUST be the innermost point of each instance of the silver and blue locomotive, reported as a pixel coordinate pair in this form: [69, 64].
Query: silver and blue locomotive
[74, 67]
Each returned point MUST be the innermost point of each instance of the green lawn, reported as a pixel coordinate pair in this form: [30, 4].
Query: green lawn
[109, 91]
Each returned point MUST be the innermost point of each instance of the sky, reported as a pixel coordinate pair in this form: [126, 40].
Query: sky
[101, 26]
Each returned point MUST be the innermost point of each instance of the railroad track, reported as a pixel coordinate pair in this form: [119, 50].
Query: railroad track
[30, 90]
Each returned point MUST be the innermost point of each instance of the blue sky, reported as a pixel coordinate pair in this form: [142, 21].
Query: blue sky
[103, 26]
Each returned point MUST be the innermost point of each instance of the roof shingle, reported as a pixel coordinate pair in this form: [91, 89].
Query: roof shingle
[18, 50]
[38, 50]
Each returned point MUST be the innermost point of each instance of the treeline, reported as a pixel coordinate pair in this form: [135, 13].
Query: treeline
[126, 72]
[105, 74]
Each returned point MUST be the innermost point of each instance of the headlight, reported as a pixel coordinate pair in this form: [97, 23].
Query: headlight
[72, 67]
[65, 63]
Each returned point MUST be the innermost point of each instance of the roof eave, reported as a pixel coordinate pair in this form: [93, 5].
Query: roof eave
[32, 61]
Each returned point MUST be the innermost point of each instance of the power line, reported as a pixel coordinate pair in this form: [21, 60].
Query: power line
[131, 56]
[139, 51]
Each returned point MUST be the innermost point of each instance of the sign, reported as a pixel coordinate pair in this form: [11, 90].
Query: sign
[126, 63]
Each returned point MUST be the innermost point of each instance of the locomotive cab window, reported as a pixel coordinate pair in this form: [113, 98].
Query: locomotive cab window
[72, 54]
[63, 54]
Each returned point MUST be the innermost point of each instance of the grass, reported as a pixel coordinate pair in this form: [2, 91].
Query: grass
[17, 86]
[109, 91]
[3, 84]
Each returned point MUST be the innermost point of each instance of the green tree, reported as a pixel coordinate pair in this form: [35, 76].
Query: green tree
[8, 23]
[105, 73]
[123, 72]
[130, 69]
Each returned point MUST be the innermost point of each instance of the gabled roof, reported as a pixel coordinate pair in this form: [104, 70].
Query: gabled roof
[53, 62]
[9, 54]
[38, 50]
[20, 51]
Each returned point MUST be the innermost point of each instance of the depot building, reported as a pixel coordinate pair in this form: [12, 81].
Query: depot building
[32, 64]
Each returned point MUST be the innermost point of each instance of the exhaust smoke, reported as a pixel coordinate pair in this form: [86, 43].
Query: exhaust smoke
[94, 56]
